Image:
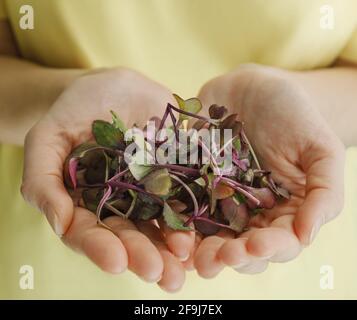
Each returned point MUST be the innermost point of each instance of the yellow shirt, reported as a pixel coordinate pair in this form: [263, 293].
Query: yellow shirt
[181, 44]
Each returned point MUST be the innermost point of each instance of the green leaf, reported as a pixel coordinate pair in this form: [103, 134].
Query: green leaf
[106, 134]
[236, 144]
[222, 191]
[204, 169]
[239, 198]
[82, 149]
[173, 220]
[256, 211]
[139, 171]
[249, 176]
[192, 105]
[201, 182]
[158, 182]
[118, 123]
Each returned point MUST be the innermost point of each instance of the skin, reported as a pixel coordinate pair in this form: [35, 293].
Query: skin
[66, 125]
[63, 103]
[307, 158]
[292, 140]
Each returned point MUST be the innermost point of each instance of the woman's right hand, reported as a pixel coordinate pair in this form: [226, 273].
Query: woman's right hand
[154, 255]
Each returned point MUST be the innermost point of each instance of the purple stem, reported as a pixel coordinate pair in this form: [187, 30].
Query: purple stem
[105, 197]
[213, 160]
[212, 222]
[173, 119]
[251, 149]
[239, 187]
[72, 168]
[193, 115]
[193, 217]
[227, 144]
[176, 167]
[118, 175]
[178, 173]
[133, 187]
[164, 118]
[195, 203]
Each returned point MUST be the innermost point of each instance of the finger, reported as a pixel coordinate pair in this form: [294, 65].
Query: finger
[173, 276]
[180, 243]
[277, 243]
[189, 263]
[253, 267]
[324, 193]
[234, 254]
[97, 243]
[205, 260]
[143, 257]
[46, 148]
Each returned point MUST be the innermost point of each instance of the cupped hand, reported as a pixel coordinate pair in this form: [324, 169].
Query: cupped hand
[292, 141]
[152, 253]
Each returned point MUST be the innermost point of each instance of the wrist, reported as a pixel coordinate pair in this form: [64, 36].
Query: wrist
[250, 82]
[60, 81]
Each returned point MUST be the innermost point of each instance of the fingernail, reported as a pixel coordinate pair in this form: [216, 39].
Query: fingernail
[157, 279]
[266, 257]
[314, 231]
[184, 258]
[54, 222]
[240, 265]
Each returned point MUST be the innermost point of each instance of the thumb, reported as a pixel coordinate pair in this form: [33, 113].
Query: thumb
[323, 192]
[46, 148]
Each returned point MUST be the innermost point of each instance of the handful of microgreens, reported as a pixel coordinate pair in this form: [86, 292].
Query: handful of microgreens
[204, 193]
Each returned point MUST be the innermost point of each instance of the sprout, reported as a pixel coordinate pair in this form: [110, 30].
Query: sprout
[205, 194]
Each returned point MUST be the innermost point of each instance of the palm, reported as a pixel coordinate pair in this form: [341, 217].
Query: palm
[144, 248]
[293, 142]
[282, 127]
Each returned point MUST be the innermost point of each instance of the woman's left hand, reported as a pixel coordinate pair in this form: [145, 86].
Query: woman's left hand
[293, 141]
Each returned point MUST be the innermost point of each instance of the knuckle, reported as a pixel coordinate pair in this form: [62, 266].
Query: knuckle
[125, 74]
[34, 134]
[31, 195]
[25, 190]
[30, 135]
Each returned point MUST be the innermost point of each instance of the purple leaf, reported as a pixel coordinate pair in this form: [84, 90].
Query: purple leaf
[265, 196]
[242, 189]
[72, 168]
[241, 164]
[205, 225]
[217, 112]
[236, 214]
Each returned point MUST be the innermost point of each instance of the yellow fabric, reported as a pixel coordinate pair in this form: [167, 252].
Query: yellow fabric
[181, 44]
[2, 10]
[350, 51]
